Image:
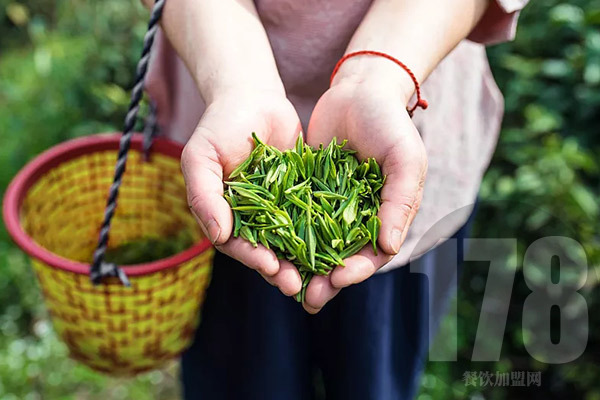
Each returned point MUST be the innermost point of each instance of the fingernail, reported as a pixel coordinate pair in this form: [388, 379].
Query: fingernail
[213, 230]
[395, 240]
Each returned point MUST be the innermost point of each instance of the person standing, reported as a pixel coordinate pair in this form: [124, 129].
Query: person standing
[226, 68]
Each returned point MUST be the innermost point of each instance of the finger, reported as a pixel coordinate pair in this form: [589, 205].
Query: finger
[318, 292]
[310, 310]
[287, 279]
[405, 166]
[358, 267]
[414, 211]
[203, 176]
[258, 258]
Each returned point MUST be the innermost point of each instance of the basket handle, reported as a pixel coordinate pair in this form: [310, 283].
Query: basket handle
[99, 268]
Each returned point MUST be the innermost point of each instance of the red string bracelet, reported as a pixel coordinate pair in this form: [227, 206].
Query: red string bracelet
[420, 101]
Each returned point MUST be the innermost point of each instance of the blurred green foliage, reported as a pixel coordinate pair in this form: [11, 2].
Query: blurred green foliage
[544, 180]
[65, 70]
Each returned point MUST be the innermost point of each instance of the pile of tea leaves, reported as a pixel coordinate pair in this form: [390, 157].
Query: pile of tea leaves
[149, 249]
[313, 207]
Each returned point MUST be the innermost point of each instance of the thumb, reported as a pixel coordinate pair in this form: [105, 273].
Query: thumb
[406, 168]
[203, 176]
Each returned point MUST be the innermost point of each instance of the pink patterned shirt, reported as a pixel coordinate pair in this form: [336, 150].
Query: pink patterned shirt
[460, 128]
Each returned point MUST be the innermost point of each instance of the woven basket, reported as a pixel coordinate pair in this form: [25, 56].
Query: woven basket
[53, 209]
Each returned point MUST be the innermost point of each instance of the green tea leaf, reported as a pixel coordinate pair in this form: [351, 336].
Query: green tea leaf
[336, 243]
[354, 232]
[248, 234]
[350, 211]
[251, 187]
[327, 207]
[298, 163]
[329, 195]
[242, 167]
[311, 244]
[309, 161]
[373, 226]
[337, 259]
[263, 238]
[354, 247]
[320, 184]
[299, 146]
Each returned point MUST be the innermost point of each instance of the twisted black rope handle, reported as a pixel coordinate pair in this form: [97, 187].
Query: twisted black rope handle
[99, 268]
[150, 130]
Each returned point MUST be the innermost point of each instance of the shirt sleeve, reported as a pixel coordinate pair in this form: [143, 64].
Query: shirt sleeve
[499, 22]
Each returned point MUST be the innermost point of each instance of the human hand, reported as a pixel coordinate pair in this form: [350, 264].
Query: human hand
[370, 114]
[221, 141]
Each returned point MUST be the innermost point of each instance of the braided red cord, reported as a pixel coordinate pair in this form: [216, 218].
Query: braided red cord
[420, 101]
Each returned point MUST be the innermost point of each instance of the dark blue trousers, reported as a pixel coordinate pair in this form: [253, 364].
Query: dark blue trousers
[370, 342]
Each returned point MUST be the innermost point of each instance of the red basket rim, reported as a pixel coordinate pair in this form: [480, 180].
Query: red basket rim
[24, 180]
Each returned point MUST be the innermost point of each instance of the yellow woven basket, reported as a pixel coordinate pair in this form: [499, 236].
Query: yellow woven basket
[53, 208]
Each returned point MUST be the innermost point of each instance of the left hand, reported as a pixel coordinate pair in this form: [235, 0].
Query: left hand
[371, 115]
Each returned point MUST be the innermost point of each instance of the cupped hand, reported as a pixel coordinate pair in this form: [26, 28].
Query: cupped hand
[221, 141]
[373, 118]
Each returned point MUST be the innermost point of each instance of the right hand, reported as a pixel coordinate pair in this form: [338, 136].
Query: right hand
[221, 141]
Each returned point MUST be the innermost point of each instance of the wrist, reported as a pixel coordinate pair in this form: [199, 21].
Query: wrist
[214, 91]
[223, 76]
[375, 73]
[245, 97]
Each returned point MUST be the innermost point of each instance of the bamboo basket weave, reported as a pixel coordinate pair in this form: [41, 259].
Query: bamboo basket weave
[52, 210]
